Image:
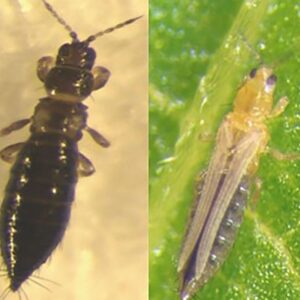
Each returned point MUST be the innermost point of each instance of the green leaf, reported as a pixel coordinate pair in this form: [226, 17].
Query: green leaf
[200, 52]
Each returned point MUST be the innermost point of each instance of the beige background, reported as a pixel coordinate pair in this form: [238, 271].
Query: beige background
[104, 253]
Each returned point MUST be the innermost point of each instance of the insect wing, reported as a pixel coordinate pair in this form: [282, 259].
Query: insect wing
[212, 179]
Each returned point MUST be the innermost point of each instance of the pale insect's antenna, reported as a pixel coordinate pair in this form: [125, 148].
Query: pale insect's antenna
[281, 59]
[251, 49]
[91, 38]
[50, 8]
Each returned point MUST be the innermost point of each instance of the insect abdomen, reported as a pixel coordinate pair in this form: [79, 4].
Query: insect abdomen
[223, 241]
[229, 227]
[37, 203]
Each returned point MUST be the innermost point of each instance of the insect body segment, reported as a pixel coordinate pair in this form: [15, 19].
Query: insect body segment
[38, 197]
[241, 139]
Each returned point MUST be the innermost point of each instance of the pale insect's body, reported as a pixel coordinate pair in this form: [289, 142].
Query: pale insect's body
[222, 194]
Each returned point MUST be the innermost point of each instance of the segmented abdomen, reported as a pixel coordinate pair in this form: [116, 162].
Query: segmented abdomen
[229, 227]
[224, 239]
[37, 203]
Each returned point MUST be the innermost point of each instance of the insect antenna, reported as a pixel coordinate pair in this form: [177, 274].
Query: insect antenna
[110, 29]
[283, 58]
[276, 63]
[91, 38]
[50, 8]
[251, 49]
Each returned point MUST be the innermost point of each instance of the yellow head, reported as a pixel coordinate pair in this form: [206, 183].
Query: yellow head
[255, 96]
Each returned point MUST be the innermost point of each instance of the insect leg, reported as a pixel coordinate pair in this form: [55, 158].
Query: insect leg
[101, 76]
[257, 190]
[283, 156]
[45, 64]
[206, 137]
[279, 108]
[85, 167]
[98, 137]
[8, 154]
[14, 126]
[199, 182]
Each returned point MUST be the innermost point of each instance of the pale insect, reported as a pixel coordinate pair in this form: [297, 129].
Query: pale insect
[222, 194]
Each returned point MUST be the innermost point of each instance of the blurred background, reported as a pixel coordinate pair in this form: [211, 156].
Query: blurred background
[104, 252]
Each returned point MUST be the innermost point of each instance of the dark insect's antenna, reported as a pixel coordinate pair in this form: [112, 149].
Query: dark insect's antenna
[91, 38]
[110, 29]
[50, 8]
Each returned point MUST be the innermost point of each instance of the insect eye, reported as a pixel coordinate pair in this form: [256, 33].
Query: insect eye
[271, 80]
[252, 73]
[64, 50]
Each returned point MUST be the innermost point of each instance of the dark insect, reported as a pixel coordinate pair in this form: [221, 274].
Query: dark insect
[39, 194]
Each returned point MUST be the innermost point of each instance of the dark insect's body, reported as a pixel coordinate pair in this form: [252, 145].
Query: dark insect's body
[39, 194]
[38, 197]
